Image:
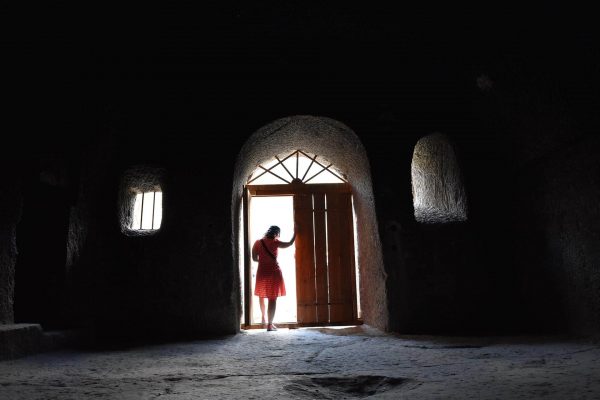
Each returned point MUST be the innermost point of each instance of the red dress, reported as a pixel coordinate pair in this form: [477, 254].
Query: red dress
[269, 279]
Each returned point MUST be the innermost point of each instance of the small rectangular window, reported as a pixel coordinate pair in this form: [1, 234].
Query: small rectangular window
[147, 211]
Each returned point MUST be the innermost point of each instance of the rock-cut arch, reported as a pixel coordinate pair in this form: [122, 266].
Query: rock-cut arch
[340, 145]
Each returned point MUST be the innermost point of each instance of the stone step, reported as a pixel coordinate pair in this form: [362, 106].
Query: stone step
[18, 340]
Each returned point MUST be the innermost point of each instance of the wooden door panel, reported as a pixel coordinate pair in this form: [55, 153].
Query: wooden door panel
[341, 254]
[321, 277]
[305, 267]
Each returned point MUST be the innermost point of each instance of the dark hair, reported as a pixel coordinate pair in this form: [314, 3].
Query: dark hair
[272, 232]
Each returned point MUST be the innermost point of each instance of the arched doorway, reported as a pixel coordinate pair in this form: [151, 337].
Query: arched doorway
[323, 277]
[340, 146]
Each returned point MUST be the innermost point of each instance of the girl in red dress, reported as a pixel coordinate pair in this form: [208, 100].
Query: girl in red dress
[269, 279]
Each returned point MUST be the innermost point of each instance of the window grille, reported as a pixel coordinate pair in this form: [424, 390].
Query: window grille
[147, 211]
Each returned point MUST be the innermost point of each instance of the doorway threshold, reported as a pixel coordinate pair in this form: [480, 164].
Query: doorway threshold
[295, 325]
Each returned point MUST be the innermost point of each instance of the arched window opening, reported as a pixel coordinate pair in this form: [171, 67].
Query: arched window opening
[437, 186]
[296, 167]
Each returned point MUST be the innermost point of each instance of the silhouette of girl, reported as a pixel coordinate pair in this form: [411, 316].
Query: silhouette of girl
[269, 279]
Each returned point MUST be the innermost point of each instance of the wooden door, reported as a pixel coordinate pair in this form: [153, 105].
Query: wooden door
[325, 270]
[325, 258]
[305, 267]
[340, 243]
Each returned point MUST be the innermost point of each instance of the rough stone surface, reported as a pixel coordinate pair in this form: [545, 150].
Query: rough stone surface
[437, 186]
[181, 275]
[558, 238]
[320, 363]
[453, 277]
[11, 205]
[339, 145]
[17, 340]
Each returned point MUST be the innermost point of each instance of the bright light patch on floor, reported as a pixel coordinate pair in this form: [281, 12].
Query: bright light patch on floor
[147, 211]
[264, 212]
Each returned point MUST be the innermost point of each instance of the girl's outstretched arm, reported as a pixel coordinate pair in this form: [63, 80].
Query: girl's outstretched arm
[283, 245]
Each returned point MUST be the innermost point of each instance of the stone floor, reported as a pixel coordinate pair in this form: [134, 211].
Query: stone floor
[317, 363]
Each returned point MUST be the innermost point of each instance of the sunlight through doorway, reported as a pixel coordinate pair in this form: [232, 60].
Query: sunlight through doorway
[264, 212]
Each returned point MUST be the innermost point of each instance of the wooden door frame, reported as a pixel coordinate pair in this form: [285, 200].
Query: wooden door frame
[289, 189]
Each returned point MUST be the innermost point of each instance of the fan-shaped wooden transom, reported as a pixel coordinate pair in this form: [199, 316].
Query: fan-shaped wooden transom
[298, 167]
